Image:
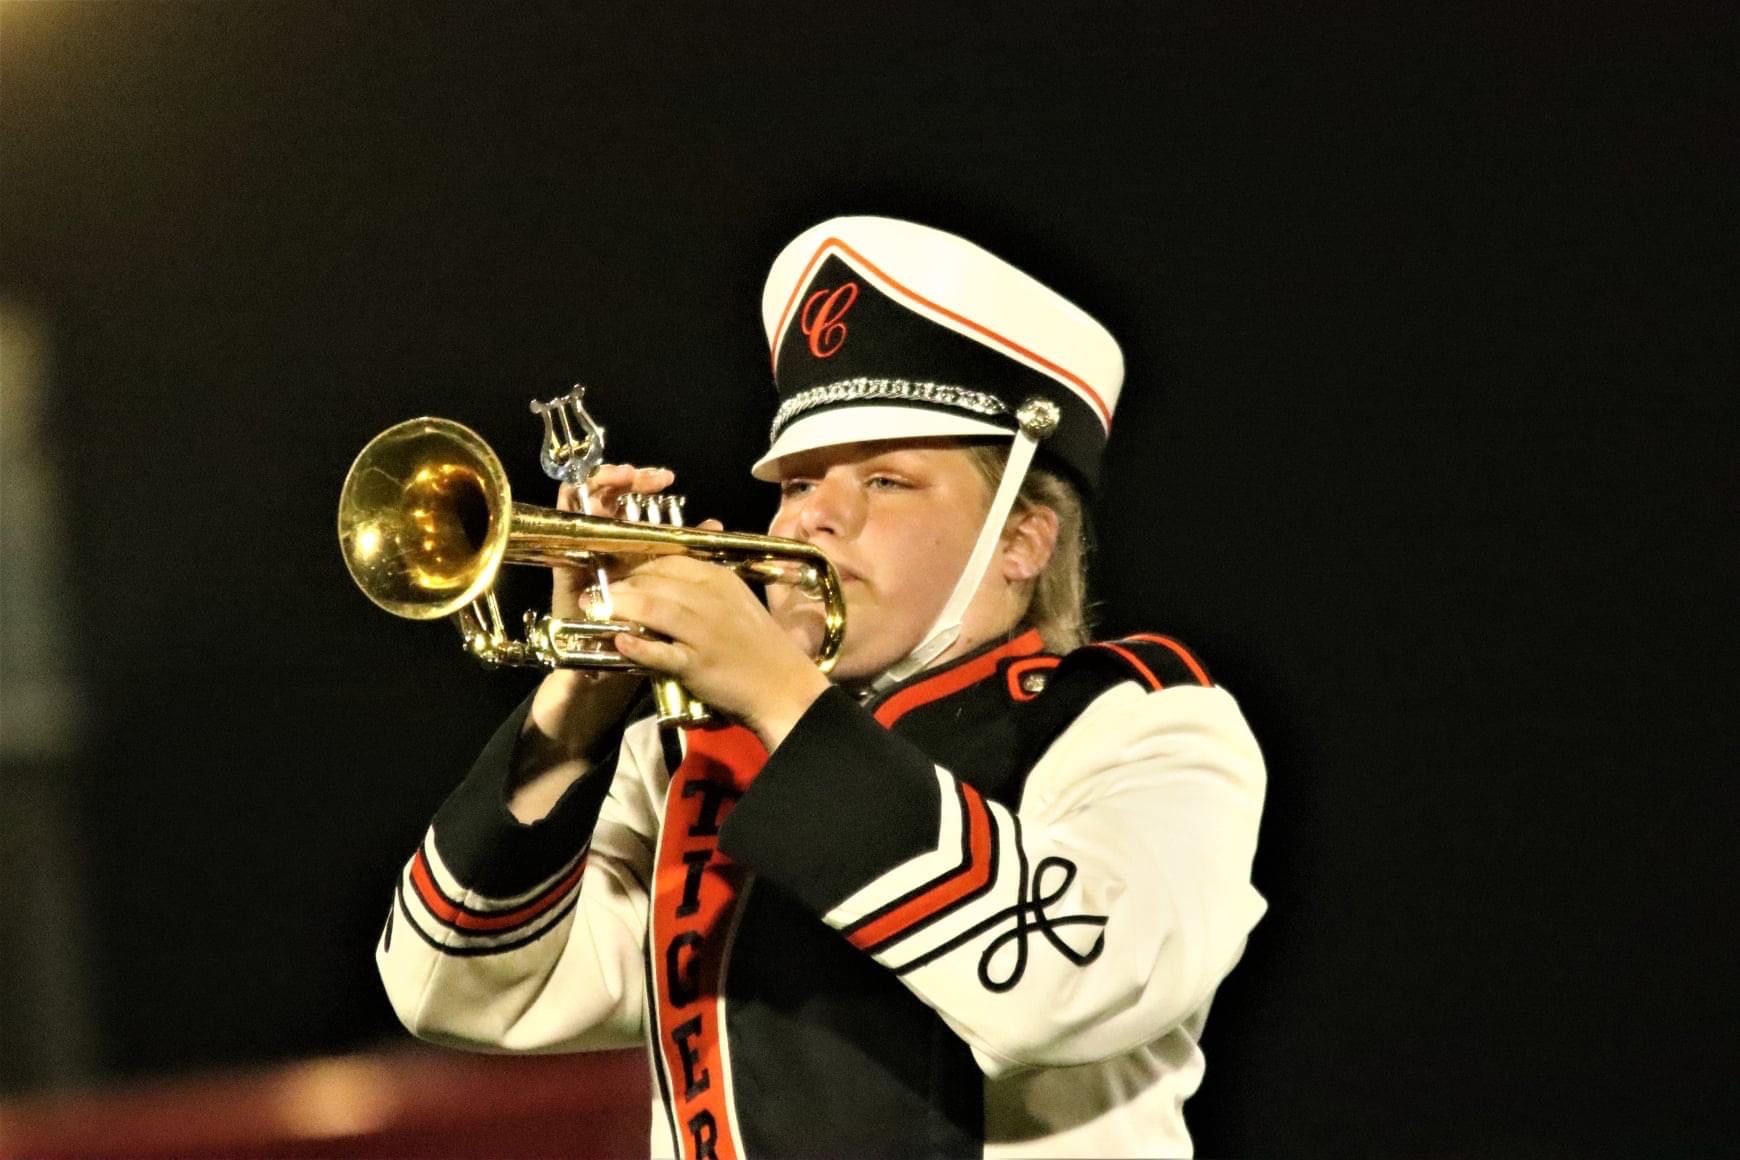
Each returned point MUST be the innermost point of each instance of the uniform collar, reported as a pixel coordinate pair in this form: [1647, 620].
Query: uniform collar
[968, 669]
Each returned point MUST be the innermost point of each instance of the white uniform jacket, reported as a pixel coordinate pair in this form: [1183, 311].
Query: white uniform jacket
[983, 913]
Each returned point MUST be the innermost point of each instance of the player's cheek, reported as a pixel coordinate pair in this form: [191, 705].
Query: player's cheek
[779, 600]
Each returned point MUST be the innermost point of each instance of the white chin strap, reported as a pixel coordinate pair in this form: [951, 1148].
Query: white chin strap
[1038, 419]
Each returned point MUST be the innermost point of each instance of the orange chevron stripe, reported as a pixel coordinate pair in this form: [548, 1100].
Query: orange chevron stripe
[947, 890]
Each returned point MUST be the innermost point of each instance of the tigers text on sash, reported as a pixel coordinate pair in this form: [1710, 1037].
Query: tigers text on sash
[696, 893]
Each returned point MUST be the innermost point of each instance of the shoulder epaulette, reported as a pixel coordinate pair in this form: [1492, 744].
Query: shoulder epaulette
[1159, 662]
[1057, 689]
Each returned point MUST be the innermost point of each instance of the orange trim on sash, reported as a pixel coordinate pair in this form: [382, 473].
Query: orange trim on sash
[695, 895]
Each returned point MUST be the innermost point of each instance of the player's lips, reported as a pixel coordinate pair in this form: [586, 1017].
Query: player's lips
[847, 574]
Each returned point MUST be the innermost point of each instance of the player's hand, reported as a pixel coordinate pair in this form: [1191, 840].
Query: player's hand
[608, 483]
[724, 646]
[574, 708]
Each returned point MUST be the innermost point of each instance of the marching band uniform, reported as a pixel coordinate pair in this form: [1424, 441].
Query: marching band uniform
[980, 908]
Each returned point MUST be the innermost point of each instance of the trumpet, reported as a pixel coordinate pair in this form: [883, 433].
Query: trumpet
[426, 519]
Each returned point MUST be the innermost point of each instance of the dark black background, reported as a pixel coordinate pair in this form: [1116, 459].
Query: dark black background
[1427, 445]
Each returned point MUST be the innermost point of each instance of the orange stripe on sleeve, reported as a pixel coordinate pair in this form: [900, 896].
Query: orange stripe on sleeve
[455, 915]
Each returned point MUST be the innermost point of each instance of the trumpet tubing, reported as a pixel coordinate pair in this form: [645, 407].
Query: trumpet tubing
[426, 519]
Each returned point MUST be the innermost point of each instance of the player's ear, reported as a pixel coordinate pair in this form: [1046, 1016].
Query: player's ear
[1028, 543]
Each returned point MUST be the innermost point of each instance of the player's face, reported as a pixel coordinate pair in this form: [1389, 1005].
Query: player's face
[898, 519]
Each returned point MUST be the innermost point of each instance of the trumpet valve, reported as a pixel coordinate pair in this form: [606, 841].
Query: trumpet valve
[651, 509]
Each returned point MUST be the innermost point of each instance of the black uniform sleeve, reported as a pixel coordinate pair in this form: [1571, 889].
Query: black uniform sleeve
[840, 802]
[493, 852]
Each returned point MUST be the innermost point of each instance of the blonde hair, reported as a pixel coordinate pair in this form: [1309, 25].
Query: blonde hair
[1058, 606]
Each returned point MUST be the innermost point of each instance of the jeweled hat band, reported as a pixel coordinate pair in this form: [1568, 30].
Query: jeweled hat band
[884, 329]
[863, 390]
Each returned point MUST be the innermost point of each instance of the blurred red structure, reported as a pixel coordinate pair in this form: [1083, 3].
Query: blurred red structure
[415, 1103]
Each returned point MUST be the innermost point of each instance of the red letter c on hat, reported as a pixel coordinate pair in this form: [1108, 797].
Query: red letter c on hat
[822, 317]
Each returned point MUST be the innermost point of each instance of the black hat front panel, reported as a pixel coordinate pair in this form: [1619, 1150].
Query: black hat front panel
[843, 331]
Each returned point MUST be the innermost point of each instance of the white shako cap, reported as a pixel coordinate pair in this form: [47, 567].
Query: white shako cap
[884, 329]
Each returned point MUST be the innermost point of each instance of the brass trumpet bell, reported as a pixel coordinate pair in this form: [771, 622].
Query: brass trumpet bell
[421, 519]
[426, 519]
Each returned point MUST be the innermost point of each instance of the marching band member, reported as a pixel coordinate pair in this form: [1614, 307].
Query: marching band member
[971, 893]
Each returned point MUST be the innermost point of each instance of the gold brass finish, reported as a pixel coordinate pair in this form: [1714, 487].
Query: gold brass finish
[419, 519]
[426, 519]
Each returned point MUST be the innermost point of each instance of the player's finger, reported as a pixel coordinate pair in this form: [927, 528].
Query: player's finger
[661, 656]
[603, 486]
[658, 602]
[651, 479]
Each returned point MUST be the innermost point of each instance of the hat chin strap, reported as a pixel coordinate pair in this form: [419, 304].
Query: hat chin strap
[1038, 419]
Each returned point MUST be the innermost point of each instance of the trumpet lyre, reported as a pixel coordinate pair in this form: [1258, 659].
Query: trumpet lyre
[426, 519]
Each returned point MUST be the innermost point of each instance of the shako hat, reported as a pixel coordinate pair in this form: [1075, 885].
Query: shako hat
[884, 329]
